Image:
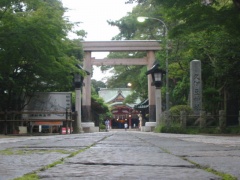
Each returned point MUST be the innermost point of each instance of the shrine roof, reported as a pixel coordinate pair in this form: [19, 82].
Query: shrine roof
[109, 95]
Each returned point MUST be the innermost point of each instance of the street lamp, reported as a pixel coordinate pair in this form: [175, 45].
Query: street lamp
[142, 19]
[78, 83]
[157, 74]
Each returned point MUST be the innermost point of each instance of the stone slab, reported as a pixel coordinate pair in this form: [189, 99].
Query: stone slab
[121, 155]
[118, 172]
[229, 165]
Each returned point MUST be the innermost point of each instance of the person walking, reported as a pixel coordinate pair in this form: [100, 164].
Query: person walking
[107, 123]
[125, 126]
[140, 121]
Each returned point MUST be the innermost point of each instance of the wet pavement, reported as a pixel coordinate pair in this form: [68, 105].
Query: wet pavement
[120, 155]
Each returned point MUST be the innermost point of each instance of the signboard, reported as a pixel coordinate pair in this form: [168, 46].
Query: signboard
[47, 102]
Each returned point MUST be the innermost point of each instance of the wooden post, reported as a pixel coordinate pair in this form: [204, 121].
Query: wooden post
[202, 119]
[239, 118]
[70, 117]
[222, 119]
[5, 124]
[66, 122]
[183, 118]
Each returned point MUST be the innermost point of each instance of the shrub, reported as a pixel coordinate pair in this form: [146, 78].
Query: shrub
[174, 128]
[175, 110]
[177, 129]
[102, 126]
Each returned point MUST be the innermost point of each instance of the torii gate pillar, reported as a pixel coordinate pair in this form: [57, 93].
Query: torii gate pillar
[151, 89]
[86, 98]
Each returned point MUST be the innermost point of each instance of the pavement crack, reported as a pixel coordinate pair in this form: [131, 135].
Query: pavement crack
[136, 165]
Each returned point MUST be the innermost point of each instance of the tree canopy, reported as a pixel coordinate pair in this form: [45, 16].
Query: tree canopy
[35, 53]
[207, 30]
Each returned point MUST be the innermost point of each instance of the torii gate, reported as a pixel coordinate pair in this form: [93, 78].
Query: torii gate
[117, 46]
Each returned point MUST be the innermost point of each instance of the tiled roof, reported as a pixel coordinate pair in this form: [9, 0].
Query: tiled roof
[120, 103]
[110, 94]
[142, 105]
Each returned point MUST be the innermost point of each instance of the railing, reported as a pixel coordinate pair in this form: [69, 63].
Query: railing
[9, 120]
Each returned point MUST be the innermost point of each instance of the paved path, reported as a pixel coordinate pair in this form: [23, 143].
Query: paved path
[120, 155]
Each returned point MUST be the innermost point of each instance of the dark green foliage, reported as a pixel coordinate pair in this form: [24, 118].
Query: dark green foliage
[211, 100]
[202, 30]
[98, 105]
[173, 128]
[177, 129]
[102, 126]
[35, 54]
[130, 99]
[129, 74]
[175, 110]
[97, 85]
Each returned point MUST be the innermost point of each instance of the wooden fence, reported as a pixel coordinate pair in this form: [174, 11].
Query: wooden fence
[202, 120]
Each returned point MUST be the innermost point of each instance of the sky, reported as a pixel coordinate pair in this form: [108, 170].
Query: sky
[93, 15]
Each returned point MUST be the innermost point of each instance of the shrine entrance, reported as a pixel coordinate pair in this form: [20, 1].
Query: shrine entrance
[122, 113]
[117, 46]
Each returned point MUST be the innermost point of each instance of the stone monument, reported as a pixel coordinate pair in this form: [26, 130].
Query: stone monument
[196, 86]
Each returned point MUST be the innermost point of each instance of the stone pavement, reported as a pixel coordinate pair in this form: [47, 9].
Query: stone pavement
[120, 155]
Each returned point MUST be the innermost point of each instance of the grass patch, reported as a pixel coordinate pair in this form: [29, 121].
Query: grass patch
[9, 152]
[52, 165]
[6, 152]
[32, 176]
[81, 150]
[221, 174]
[75, 153]
[224, 176]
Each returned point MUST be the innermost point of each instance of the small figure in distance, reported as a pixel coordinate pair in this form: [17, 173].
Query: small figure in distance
[125, 126]
[107, 123]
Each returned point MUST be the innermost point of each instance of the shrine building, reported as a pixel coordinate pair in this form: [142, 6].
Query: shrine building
[121, 112]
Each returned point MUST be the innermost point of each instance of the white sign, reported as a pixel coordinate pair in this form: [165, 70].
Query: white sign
[47, 102]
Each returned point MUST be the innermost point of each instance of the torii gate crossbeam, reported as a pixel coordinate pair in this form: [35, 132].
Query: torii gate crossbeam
[115, 46]
[113, 62]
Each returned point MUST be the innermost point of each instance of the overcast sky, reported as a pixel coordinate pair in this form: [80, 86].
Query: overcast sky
[93, 15]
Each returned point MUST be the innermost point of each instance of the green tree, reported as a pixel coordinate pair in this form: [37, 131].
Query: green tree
[130, 29]
[97, 85]
[34, 50]
[128, 74]
[204, 30]
[100, 109]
